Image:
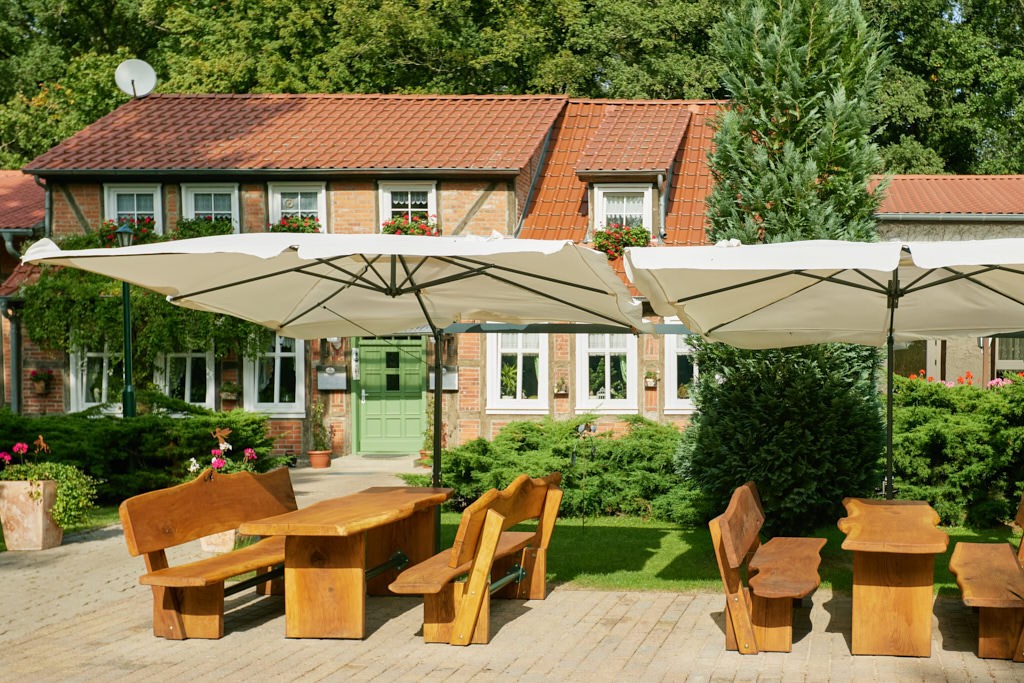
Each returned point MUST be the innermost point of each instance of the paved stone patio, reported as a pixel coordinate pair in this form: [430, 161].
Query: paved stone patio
[77, 613]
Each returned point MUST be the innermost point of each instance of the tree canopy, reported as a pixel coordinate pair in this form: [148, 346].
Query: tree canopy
[951, 100]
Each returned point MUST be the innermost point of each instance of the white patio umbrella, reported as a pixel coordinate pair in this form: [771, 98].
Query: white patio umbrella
[796, 293]
[315, 285]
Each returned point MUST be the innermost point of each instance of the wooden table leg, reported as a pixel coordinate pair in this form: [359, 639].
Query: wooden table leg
[413, 535]
[325, 586]
[892, 604]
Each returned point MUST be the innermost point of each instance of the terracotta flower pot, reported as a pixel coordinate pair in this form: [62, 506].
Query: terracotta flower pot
[319, 459]
[25, 515]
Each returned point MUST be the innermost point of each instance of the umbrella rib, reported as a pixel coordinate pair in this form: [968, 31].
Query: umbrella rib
[958, 275]
[817, 279]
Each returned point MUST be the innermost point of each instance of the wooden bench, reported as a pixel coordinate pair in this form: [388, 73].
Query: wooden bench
[510, 564]
[991, 579]
[188, 599]
[759, 616]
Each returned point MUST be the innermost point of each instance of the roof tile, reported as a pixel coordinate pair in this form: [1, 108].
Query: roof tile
[334, 132]
[949, 194]
[22, 202]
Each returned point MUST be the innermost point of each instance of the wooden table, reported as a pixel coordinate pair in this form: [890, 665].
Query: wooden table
[894, 543]
[329, 546]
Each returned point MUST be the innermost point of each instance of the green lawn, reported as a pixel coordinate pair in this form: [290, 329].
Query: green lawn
[627, 553]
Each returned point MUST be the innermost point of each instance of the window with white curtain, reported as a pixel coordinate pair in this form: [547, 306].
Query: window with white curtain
[301, 200]
[97, 377]
[210, 201]
[1009, 354]
[606, 374]
[680, 372]
[134, 203]
[187, 376]
[517, 373]
[408, 199]
[627, 205]
[275, 380]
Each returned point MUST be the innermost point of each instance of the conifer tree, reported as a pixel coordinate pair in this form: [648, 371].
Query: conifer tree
[793, 160]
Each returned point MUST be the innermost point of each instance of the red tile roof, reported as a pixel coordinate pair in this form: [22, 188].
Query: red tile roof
[22, 202]
[954, 194]
[24, 273]
[310, 132]
[634, 139]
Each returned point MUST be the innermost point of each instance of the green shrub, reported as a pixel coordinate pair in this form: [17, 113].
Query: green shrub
[143, 453]
[601, 474]
[805, 424]
[960, 447]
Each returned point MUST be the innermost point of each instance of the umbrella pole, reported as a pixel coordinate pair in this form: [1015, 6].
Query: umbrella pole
[436, 473]
[887, 484]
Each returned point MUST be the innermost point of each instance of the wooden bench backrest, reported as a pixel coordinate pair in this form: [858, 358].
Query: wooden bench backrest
[210, 503]
[1019, 519]
[740, 525]
[523, 499]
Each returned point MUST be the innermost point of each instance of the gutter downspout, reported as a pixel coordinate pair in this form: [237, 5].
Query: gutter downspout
[48, 210]
[11, 313]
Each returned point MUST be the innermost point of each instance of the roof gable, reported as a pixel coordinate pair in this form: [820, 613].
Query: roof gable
[634, 139]
[195, 133]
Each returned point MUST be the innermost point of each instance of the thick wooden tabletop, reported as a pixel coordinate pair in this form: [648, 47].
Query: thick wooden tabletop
[892, 526]
[350, 514]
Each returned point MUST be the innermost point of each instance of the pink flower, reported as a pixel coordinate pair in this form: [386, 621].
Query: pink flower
[216, 452]
[20, 448]
[250, 454]
[5, 457]
[217, 463]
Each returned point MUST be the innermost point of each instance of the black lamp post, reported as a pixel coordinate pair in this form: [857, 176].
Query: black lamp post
[125, 236]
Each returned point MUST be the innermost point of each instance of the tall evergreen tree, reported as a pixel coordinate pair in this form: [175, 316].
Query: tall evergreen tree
[793, 160]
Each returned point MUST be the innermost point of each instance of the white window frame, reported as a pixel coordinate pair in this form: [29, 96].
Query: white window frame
[78, 384]
[606, 406]
[386, 188]
[190, 190]
[519, 406]
[110, 193]
[250, 391]
[601, 190]
[162, 378]
[675, 347]
[276, 189]
[1005, 365]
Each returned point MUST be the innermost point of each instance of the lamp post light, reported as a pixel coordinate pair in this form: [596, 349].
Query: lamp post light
[125, 236]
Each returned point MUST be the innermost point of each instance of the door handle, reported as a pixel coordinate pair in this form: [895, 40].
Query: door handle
[362, 397]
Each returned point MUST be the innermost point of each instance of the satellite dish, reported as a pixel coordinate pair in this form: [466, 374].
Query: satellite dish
[135, 77]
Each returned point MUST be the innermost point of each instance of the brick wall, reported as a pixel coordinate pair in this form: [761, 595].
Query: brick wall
[353, 207]
[457, 199]
[88, 198]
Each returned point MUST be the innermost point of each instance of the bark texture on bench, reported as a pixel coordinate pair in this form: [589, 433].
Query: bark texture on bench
[991, 579]
[759, 616]
[458, 612]
[188, 599]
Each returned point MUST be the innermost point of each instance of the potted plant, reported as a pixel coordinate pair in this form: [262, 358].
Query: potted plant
[229, 391]
[41, 379]
[38, 500]
[295, 224]
[417, 225]
[651, 379]
[320, 454]
[614, 238]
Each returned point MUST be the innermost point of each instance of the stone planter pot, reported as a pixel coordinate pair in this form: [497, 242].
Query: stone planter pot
[220, 542]
[319, 459]
[25, 515]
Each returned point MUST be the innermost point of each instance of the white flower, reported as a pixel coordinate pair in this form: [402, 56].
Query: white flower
[225, 446]
[193, 465]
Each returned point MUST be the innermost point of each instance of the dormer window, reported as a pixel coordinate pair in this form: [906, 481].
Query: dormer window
[625, 204]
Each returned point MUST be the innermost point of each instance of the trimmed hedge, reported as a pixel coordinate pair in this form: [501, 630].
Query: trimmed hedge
[144, 453]
[602, 474]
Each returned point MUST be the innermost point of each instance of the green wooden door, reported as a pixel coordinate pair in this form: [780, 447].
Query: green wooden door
[390, 398]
